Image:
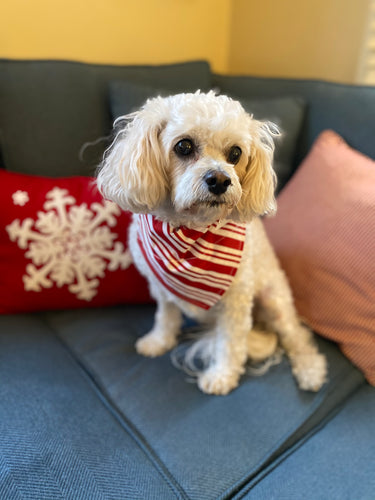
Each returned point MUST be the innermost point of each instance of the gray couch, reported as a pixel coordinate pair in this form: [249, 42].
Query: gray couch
[82, 416]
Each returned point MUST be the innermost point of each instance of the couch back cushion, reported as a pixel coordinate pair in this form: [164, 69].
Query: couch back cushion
[286, 112]
[347, 109]
[50, 109]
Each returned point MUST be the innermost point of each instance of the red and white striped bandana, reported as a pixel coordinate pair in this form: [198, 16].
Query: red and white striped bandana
[197, 266]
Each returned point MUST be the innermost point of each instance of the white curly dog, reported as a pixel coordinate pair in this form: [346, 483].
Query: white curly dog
[196, 169]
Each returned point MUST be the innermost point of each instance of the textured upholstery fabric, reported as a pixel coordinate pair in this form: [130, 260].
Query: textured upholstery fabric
[59, 437]
[323, 234]
[211, 445]
[50, 109]
[337, 463]
[125, 97]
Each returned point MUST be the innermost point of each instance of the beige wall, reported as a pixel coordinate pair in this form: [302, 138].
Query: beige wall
[294, 38]
[117, 31]
[297, 38]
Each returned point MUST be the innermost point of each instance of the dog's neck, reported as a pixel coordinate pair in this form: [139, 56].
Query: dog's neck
[196, 266]
[198, 218]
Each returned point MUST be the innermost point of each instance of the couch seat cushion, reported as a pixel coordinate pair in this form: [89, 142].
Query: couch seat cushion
[211, 445]
[59, 438]
[320, 469]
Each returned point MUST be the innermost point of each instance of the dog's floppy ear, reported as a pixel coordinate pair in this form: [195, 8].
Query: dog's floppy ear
[133, 173]
[259, 182]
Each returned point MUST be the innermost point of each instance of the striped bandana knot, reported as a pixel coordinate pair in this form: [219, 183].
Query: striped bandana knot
[197, 266]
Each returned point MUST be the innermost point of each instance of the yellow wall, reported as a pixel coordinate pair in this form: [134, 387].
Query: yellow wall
[297, 38]
[117, 31]
[307, 39]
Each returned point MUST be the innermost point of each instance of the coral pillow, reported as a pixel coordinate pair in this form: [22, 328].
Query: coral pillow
[62, 246]
[324, 235]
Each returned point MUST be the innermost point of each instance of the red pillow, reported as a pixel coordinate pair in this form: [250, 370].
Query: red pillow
[324, 235]
[62, 246]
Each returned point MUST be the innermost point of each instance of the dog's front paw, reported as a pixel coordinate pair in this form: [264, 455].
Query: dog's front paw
[310, 370]
[217, 381]
[153, 344]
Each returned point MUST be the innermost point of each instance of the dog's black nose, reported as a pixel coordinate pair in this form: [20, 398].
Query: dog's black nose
[217, 182]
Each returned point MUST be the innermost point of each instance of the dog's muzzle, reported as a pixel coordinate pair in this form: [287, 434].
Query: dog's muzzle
[217, 182]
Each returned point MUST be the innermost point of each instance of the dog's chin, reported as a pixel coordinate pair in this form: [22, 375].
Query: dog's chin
[205, 212]
[200, 205]
[211, 204]
[197, 213]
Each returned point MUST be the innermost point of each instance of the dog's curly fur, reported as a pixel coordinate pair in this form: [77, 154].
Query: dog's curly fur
[143, 173]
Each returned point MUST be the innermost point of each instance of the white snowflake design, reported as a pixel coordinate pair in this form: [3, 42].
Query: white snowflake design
[70, 246]
[20, 198]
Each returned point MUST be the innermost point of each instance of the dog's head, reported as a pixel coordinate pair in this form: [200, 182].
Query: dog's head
[193, 158]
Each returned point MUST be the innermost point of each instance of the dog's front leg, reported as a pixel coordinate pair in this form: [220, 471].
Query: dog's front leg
[163, 336]
[229, 349]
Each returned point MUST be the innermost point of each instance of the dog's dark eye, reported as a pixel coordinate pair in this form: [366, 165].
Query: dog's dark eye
[185, 147]
[234, 155]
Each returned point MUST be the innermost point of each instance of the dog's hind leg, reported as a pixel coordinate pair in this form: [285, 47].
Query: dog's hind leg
[279, 313]
[261, 344]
